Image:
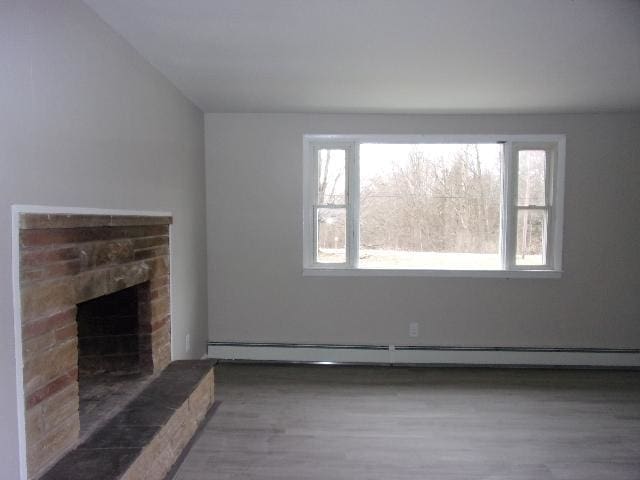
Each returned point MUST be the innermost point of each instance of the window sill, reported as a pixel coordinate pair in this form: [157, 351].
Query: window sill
[376, 272]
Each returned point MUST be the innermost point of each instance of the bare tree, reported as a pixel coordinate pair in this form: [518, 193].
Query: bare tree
[431, 203]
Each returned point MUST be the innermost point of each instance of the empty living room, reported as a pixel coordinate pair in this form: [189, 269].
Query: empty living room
[320, 239]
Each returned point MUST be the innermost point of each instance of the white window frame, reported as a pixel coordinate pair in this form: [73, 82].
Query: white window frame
[554, 145]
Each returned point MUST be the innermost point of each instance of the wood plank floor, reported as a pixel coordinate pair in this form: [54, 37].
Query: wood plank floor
[299, 422]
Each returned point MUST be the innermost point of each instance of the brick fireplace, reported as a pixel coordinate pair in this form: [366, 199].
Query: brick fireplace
[94, 293]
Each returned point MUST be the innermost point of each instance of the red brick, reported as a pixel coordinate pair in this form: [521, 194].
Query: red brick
[148, 242]
[91, 284]
[51, 388]
[139, 231]
[41, 454]
[110, 252]
[160, 292]
[50, 364]
[161, 337]
[128, 275]
[27, 276]
[53, 322]
[30, 221]
[155, 325]
[161, 358]
[69, 394]
[126, 220]
[158, 281]
[54, 236]
[40, 256]
[44, 298]
[160, 308]
[66, 220]
[34, 423]
[62, 269]
[33, 347]
[70, 331]
[158, 266]
[151, 253]
[66, 408]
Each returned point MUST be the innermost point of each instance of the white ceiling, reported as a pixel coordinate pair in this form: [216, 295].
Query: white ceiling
[411, 56]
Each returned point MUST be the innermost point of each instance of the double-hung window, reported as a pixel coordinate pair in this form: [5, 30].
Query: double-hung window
[426, 205]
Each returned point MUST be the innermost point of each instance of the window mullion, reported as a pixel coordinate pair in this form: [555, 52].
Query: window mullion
[314, 219]
[353, 202]
[508, 207]
[549, 178]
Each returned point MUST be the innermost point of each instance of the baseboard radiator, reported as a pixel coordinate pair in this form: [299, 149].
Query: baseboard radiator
[426, 355]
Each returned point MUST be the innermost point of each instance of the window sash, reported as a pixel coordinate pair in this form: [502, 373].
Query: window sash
[350, 180]
[550, 243]
[546, 237]
[316, 234]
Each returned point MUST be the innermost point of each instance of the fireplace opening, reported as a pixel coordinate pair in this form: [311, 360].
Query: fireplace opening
[114, 354]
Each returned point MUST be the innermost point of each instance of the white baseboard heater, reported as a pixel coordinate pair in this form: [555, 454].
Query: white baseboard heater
[426, 355]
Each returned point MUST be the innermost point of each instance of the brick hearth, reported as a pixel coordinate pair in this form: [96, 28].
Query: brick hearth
[66, 260]
[144, 440]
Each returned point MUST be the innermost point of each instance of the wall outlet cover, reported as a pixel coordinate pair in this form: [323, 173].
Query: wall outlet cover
[413, 329]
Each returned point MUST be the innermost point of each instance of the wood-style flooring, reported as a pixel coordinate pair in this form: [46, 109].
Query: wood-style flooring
[308, 422]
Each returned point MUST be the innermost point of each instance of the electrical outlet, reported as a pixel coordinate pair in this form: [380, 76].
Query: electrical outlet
[187, 342]
[413, 329]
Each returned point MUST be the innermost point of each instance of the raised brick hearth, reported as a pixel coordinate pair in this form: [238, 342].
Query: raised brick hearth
[146, 438]
[66, 260]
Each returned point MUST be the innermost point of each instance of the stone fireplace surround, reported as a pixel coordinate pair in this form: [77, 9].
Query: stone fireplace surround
[64, 260]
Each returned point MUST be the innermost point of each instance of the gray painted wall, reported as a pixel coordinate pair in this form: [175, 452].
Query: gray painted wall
[254, 222]
[86, 122]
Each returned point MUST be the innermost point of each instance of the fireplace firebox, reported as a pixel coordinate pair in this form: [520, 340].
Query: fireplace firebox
[114, 355]
[108, 335]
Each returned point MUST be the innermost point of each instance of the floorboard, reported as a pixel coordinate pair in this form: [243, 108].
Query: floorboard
[307, 422]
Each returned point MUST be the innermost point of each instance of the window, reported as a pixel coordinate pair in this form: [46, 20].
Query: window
[456, 205]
